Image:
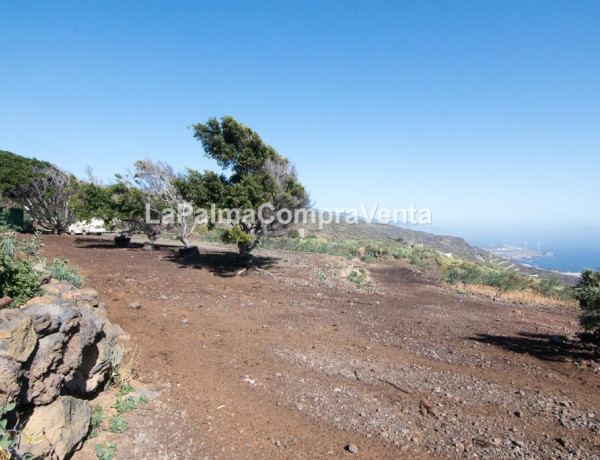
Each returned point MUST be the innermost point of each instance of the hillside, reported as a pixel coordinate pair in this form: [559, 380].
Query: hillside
[15, 170]
[382, 232]
[458, 247]
[294, 361]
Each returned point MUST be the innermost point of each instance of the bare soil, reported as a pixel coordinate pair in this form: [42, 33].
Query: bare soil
[291, 360]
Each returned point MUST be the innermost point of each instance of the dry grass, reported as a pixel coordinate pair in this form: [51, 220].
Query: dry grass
[518, 297]
[122, 372]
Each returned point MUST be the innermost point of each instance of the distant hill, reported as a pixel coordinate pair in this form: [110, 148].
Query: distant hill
[16, 169]
[458, 247]
[384, 232]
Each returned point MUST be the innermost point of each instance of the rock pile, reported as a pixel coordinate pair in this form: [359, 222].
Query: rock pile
[54, 351]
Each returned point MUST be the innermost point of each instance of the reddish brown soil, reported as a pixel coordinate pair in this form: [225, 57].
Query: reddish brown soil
[293, 361]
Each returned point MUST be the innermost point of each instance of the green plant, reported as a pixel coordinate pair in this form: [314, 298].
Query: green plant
[587, 292]
[128, 404]
[61, 270]
[258, 176]
[322, 276]
[10, 437]
[235, 235]
[8, 440]
[453, 276]
[550, 288]
[117, 424]
[472, 275]
[125, 389]
[18, 280]
[98, 416]
[106, 451]
[121, 373]
[357, 276]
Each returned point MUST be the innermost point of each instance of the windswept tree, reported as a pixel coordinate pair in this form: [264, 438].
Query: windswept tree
[158, 184]
[47, 198]
[259, 176]
[587, 292]
[119, 205]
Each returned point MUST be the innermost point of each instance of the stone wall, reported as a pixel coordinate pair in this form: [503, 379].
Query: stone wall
[55, 352]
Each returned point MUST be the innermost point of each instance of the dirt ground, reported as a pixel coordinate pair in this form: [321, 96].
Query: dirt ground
[293, 361]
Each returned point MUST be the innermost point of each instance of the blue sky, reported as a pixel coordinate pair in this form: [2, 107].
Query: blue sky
[487, 113]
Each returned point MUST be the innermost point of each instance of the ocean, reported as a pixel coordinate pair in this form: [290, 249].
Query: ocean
[571, 259]
[574, 249]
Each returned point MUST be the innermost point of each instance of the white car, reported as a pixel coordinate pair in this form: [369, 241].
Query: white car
[83, 227]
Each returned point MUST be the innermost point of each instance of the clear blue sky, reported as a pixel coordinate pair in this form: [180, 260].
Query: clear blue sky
[486, 112]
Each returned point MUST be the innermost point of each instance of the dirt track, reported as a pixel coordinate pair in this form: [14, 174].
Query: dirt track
[293, 361]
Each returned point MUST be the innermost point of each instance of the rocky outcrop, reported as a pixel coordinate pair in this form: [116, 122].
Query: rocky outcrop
[58, 428]
[55, 350]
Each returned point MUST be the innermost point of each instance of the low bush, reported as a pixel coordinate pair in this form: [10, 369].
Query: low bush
[18, 280]
[434, 265]
[587, 293]
[61, 270]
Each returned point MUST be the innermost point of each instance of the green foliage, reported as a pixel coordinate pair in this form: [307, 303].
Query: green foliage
[432, 262]
[357, 276]
[98, 416]
[127, 404]
[235, 235]
[115, 204]
[8, 438]
[472, 275]
[117, 424]
[17, 170]
[550, 288]
[587, 292]
[61, 270]
[106, 451]
[202, 189]
[18, 280]
[259, 175]
[250, 191]
[453, 276]
[233, 145]
[125, 389]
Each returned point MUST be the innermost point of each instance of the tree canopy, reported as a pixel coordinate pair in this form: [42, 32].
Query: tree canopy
[259, 175]
[17, 170]
[587, 292]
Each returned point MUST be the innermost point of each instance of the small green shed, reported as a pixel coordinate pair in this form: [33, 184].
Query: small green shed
[12, 216]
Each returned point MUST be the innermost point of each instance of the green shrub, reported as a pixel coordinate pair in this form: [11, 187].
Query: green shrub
[235, 235]
[214, 235]
[357, 276]
[472, 275]
[61, 270]
[106, 451]
[551, 288]
[18, 280]
[453, 276]
[587, 292]
[401, 252]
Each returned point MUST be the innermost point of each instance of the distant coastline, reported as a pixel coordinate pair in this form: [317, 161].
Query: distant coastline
[516, 253]
[568, 260]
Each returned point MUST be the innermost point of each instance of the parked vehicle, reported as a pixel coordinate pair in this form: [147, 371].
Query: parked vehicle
[83, 227]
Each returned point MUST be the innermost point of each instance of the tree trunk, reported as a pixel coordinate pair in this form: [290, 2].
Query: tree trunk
[246, 248]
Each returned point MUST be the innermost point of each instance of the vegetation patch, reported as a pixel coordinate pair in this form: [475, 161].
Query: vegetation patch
[466, 276]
